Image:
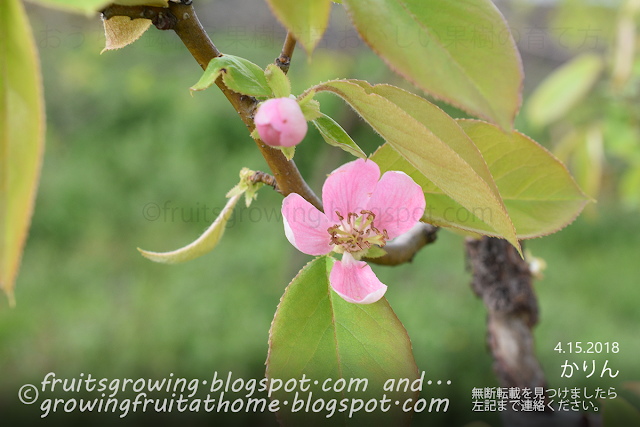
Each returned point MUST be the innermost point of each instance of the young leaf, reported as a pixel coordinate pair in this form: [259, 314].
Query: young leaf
[121, 31]
[317, 334]
[540, 195]
[288, 152]
[418, 131]
[246, 186]
[450, 49]
[306, 19]
[238, 74]
[310, 109]
[278, 81]
[89, 6]
[21, 136]
[306, 97]
[203, 245]
[563, 89]
[333, 134]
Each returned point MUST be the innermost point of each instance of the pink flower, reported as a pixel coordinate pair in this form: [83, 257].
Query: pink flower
[280, 122]
[361, 210]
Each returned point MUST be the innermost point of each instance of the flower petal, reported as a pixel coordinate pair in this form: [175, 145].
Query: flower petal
[398, 203]
[355, 282]
[305, 226]
[349, 187]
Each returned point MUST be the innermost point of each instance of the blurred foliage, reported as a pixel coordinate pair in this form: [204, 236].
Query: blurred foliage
[123, 132]
[594, 124]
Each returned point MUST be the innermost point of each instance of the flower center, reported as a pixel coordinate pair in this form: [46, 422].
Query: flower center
[356, 233]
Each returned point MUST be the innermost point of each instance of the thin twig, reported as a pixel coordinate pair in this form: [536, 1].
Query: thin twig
[284, 60]
[265, 178]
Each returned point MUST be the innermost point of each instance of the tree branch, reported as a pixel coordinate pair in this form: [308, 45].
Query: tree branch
[183, 20]
[503, 280]
[284, 60]
[405, 247]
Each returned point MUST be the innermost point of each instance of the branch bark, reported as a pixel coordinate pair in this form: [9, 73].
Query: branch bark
[503, 280]
[183, 20]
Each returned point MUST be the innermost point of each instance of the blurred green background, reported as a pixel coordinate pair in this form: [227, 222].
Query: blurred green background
[131, 161]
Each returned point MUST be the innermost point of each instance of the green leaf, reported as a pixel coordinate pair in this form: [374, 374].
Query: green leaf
[432, 143]
[317, 334]
[278, 81]
[333, 134]
[89, 6]
[121, 31]
[310, 109]
[288, 152]
[619, 413]
[306, 97]
[459, 51]
[22, 127]
[203, 245]
[538, 191]
[238, 74]
[563, 89]
[307, 20]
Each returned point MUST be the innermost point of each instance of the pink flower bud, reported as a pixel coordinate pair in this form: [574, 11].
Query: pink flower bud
[280, 122]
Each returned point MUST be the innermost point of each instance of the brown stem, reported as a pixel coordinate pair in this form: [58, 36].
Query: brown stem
[133, 12]
[265, 178]
[405, 247]
[284, 60]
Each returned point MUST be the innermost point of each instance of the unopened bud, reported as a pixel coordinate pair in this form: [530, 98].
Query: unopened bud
[280, 122]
